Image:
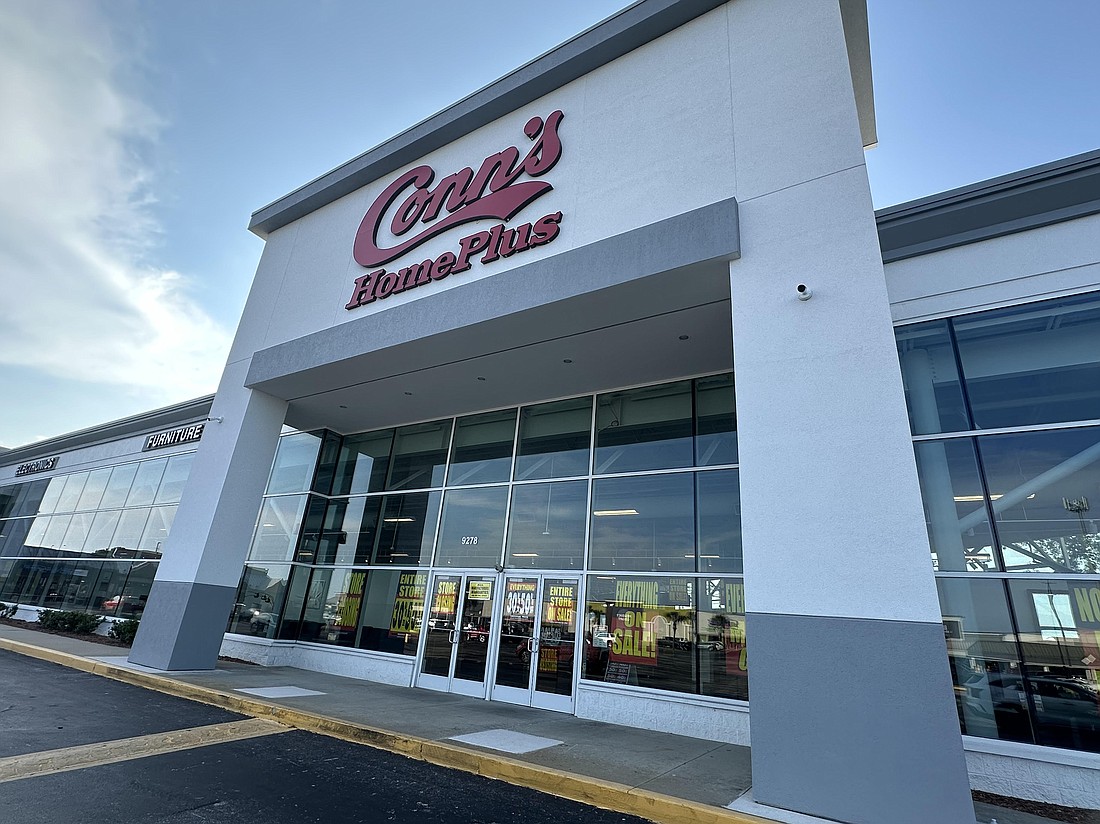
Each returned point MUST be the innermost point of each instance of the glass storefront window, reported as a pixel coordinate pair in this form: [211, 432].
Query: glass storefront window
[55, 531]
[175, 477]
[146, 482]
[364, 460]
[955, 506]
[1059, 626]
[718, 521]
[107, 591]
[70, 494]
[331, 613]
[156, 531]
[715, 421]
[295, 462]
[1032, 364]
[546, 525]
[21, 499]
[641, 631]
[408, 528]
[93, 490]
[277, 533]
[13, 534]
[393, 610]
[722, 651]
[135, 593]
[643, 523]
[555, 440]
[36, 536]
[481, 451]
[131, 526]
[296, 593]
[984, 659]
[642, 429]
[472, 529]
[419, 455]
[118, 487]
[931, 378]
[77, 533]
[52, 494]
[1043, 487]
[101, 532]
[259, 600]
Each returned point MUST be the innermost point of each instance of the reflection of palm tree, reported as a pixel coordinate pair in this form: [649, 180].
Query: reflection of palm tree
[719, 622]
[675, 619]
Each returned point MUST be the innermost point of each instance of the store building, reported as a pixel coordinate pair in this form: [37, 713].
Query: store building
[576, 392]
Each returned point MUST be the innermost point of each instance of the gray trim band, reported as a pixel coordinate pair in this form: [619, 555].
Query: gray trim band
[702, 235]
[1029, 199]
[607, 41]
[182, 626]
[832, 700]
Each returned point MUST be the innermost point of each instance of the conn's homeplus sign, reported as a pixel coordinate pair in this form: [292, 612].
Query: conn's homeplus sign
[504, 184]
[172, 437]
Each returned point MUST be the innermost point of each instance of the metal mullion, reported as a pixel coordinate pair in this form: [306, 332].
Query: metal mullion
[1008, 430]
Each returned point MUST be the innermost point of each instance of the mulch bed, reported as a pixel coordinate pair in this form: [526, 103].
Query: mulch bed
[1052, 811]
[98, 639]
[36, 627]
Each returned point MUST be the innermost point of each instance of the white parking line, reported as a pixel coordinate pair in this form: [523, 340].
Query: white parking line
[126, 749]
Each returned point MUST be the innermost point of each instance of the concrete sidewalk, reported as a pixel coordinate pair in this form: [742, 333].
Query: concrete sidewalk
[663, 777]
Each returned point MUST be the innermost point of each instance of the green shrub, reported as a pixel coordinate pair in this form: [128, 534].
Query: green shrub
[69, 621]
[124, 631]
[7, 611]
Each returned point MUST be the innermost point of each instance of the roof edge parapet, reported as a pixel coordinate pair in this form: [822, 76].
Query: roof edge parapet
[165, 417]
[1028, 199]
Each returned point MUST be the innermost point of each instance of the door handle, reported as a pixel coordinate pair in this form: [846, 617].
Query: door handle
[533, 645]
[452, 636]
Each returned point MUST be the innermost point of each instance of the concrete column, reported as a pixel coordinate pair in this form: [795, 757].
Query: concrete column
[852, 709]
[192, 595]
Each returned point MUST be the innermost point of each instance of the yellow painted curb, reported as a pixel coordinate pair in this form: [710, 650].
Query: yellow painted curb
[609, 795]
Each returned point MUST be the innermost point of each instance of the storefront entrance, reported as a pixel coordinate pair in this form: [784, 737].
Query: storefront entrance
[508, 637]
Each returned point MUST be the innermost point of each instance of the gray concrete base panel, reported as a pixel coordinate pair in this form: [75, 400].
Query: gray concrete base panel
[854, 720]
[182, 626]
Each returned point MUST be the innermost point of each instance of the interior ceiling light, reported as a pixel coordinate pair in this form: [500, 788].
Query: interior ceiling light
[398, 520]
[996, 496]
[525, 555]
[615, 512]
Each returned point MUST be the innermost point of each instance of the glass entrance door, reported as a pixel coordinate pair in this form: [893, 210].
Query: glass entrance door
[536, 648]
[456, 649]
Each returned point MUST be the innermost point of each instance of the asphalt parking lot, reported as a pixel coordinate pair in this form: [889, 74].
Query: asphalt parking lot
[76, 747]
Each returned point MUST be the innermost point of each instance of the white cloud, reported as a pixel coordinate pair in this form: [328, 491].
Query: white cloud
[77, 296]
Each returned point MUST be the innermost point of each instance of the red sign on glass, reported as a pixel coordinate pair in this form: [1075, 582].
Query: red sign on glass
[633, 640]
[415, 202]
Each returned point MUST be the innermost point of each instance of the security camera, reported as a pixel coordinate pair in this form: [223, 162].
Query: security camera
[804, 292]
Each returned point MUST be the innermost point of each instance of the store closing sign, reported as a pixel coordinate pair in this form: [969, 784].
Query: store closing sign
[499, 190]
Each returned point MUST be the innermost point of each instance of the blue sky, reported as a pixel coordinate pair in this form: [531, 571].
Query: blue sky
[139, 135]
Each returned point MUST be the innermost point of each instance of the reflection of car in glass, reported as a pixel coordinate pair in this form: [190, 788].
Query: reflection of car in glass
[601, 639]
[1058, 701]
[125, 605]
[261, 622]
